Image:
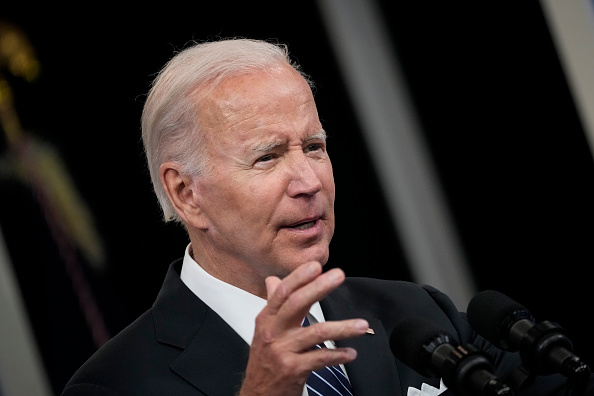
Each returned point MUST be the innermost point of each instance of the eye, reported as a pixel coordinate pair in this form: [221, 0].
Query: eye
[266, 158]
[314, 147]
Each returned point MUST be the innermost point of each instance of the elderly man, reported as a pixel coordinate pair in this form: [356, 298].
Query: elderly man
[238, 157]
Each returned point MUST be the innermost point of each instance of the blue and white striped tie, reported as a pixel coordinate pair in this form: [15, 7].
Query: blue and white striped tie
[328, 381]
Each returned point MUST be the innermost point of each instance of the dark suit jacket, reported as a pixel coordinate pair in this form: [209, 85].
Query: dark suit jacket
[182, 347]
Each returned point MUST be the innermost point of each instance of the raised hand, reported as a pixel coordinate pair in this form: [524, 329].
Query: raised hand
[281, 356]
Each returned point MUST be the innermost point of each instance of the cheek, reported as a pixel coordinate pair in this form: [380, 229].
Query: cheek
[222, 196]
[264, 194]
[251, 196]
[327, 178]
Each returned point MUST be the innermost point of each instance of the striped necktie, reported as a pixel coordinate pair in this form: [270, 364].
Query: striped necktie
[328, 381]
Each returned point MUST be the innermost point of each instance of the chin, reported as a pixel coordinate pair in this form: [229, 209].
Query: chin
[287, 267]
[287, 261]
[321, 257]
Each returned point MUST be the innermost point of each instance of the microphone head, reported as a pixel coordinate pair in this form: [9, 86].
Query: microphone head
[413, 341]
[492, 315]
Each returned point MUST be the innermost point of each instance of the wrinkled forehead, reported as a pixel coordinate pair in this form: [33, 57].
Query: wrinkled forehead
[247, 89]
[249, 100]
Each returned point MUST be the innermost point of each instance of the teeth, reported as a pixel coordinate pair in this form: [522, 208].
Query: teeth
[305, 226]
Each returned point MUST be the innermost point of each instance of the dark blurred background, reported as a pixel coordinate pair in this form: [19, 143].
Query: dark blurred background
[488, 87]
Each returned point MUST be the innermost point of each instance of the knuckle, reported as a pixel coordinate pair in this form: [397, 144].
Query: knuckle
[320, 331]
[295, 301]
[282, 291]
[263, 332]
[328, 330]
[285, 365]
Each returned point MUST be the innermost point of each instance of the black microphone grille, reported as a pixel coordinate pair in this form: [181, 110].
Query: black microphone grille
[413, 341]
[491, 314]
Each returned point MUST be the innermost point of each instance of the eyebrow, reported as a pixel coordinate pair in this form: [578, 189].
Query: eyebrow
[265, 147]
[320, 135]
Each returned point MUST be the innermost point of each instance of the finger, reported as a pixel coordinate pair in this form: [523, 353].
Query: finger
[315, 359]
[331, 330]
[301, 276]
[268, 324]
[319, 358]
[298, 302]
[272, 283]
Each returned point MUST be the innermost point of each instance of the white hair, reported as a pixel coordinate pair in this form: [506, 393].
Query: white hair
[170, 125]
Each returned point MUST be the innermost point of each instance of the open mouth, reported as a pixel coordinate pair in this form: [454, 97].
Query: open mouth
[304, 226]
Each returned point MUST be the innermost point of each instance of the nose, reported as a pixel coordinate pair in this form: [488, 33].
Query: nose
[303, 176]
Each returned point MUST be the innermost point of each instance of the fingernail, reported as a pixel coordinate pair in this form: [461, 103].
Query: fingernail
[312, 268]
[335, 275]
[362, 325]
[352, 354]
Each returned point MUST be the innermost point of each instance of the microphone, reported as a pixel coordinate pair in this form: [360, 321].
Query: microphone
[544, 347]
[433, 352]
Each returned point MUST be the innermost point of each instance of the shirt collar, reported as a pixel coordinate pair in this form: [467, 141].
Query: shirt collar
[236, 306]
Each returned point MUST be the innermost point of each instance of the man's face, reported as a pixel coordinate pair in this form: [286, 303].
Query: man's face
[269, 201]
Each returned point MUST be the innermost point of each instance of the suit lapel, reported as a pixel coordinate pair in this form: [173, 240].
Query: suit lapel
[373, 372]
[215, 360]
[213, 356]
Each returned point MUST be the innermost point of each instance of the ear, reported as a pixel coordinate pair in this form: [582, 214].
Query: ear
[181, 191]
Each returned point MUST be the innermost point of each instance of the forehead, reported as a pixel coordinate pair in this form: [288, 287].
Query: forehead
[263, 104]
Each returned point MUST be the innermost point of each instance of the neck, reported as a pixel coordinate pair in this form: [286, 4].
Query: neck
[235, 273]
